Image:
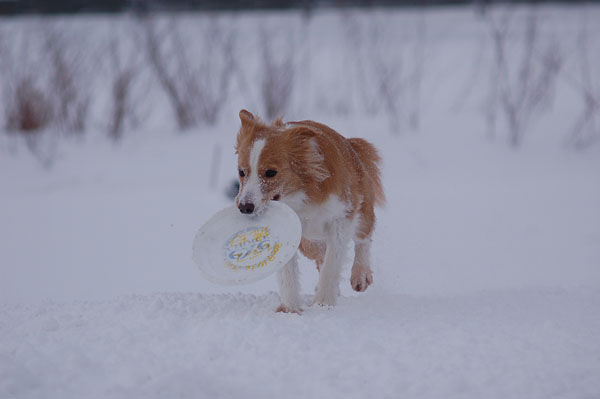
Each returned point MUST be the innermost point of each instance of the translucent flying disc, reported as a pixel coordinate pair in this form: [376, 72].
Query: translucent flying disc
[233, 248]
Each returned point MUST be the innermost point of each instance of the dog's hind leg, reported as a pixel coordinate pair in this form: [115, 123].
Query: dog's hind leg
[314, 250]
[289, 287]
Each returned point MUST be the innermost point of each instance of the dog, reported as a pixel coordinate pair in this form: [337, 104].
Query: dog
[331, 182]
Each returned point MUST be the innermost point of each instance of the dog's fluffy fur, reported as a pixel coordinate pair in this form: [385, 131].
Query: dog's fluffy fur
[332, 183]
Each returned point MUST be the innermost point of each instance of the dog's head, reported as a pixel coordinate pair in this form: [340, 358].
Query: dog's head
[274, 162]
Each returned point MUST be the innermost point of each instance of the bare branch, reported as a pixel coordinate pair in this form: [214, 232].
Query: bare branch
[68, 74]
[277, 75]
[522, 94]
[125, 71]
[586, 129]
[197, 92]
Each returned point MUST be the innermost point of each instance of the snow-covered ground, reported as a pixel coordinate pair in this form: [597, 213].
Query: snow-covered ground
[487, 281]
[486, 262]
[514, 344]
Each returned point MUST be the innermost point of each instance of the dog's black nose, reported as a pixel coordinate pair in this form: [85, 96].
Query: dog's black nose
[246, 208]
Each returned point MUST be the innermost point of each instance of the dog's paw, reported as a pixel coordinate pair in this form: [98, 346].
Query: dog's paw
[324, 299]
[288, 309]
[361, 279]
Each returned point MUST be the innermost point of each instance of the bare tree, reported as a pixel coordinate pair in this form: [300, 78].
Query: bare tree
[125, 66]
[389, 72]
[47, 84]
[28, 112]
[3, 56]
[520, 94]
[586, 129]
[391, 87]
[121, 94]
[44, 92]
[28, 109]
[360, 43]
[400, 83]
[70, 80]
[416, 76]
[197, 91]
[27, 106]
[277, 81]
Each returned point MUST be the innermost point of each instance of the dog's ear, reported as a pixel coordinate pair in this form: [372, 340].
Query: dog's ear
[278, 122]
[246, 117]
[306, 156]
[248, 123]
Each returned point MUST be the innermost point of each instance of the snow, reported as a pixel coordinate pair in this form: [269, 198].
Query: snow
[525, 344]
[486, 259]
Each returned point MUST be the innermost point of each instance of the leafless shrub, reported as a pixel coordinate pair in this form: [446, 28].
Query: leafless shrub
[125, 66]
[3, 56]
[277, 74]
[43, 91]
[389, 75]
[28, 113]
[416, 76]
[359, 45]
[197, 92]
[400, 83]
[121, 94]
[69, 80]
[391, 87]
[476, 69]
[29, 109]
[586, 129]
[45, 85]
[520, 94]
[27, 106]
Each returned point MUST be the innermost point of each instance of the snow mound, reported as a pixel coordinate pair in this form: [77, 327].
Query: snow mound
[521, 344]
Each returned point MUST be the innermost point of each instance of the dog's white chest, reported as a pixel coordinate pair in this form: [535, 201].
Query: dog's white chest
[316, 218]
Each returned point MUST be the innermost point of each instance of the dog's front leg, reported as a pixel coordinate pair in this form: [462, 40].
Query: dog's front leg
[330, 271]
[362, 276]
[289, 287]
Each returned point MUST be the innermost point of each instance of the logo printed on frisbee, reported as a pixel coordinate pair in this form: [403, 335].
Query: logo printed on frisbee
[233, 248]
[251, 248]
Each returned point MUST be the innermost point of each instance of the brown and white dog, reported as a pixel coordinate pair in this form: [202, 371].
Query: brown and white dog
[331, 182]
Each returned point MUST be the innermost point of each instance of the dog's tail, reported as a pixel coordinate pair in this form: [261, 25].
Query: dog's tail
[371, 160]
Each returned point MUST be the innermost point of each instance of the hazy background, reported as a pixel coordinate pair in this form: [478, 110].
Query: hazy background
[117, 126]
[117, 135]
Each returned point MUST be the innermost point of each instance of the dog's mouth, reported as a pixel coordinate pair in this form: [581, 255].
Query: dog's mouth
[276, 198]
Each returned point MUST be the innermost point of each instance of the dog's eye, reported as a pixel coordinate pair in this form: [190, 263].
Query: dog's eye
[241, 172]
[270, 173]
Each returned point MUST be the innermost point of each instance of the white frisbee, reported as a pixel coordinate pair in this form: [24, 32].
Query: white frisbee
[233, 248]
